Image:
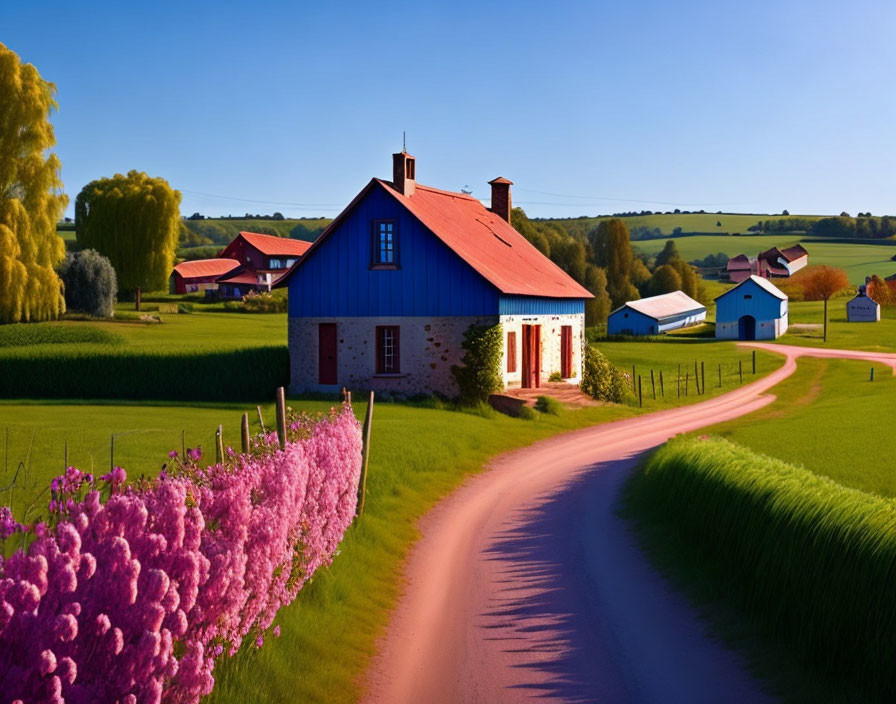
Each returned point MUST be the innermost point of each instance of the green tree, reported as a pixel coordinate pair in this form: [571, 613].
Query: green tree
[133, 220]
[598, 308]
[613, 253]
[669, 252]
[665, 279]
[31, 198]
[90, 284]
[689, 278]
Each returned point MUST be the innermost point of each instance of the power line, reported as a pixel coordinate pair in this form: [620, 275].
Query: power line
[321, 206]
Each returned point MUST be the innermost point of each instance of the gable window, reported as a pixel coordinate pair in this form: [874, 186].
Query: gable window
[275, 263]
[384, 243]
[748, 297]
[511, 352]
[388, 349]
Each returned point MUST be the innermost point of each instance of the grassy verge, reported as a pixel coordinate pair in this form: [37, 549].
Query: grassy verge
[796, 566]
[831, 419]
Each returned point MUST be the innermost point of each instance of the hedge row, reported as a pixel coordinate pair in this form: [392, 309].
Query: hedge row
[812, 563]
[234, 375]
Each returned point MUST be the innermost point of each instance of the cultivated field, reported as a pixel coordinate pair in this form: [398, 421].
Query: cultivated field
[688, 222]
[859, 260]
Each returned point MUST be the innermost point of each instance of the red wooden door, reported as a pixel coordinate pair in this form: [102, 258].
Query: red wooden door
[566, 351]
[531, 356]
[326, 339]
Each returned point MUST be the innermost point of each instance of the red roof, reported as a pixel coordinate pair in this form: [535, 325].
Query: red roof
[248, 277]
[206, 267]
[483, 240]
[273, 245]
[794, 253]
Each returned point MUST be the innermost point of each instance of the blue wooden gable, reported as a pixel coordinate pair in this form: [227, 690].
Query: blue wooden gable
[749, 298]
[337, 280]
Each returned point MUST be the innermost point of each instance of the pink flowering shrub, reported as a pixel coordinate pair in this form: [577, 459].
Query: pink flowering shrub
[131, 599]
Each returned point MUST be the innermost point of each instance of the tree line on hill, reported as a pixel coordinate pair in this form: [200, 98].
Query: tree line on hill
[606, 264]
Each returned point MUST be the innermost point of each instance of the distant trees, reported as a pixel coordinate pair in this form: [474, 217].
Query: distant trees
[133, 220]
[90, 283]
[711, 261]
[864, 226]
[613, 253]
[820, 283]
[665, 279]
[31, 198]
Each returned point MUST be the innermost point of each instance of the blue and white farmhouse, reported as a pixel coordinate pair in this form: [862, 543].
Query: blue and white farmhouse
[656, 314]
[755, 309]
[383, 297]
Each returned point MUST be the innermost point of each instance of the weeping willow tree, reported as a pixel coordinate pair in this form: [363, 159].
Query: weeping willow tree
[134, 221]
[31, 198]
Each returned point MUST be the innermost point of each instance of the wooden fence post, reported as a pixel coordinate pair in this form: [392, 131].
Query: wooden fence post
[633, 378]
[219, 445]
[652, 385]
[261, 420]
[754, 361]
[740, 370]
[703, 378]
[281, 417]
[687, 382]
[678, 380]
[696, 378]
[244, 433]
[872, 374]
[720, 376]
[640, 398]
[365, 455]
[662, 388]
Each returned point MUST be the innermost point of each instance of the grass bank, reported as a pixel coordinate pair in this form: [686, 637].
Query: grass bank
[831, 419]
[796, 566]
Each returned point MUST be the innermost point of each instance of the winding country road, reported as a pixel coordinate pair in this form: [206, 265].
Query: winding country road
[526, 586]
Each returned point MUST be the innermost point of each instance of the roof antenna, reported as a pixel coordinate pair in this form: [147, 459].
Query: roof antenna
[404, 142]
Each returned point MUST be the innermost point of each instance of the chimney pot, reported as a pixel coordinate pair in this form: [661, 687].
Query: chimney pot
[404, 173]
[501, 204]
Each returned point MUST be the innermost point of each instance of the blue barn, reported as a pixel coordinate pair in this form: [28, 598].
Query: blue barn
[755, 309]
[384, 296]
[656, 314]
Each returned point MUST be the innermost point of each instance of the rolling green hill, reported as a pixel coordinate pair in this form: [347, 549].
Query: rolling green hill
[731, 223]
[221, 232]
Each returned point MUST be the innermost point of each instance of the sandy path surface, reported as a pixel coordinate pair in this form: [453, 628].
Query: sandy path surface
[527, 587]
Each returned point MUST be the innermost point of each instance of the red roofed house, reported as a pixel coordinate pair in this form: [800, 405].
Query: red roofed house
[782, 263]
[384, 296]
[264, 258]
[200, 275]
[773, 263]
[252, 262]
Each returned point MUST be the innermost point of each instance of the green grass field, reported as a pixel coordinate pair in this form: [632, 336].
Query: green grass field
[831, 419]
[688, 222]
[859, 260]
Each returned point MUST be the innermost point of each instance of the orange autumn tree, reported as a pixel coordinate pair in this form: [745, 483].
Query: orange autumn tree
[820, 283]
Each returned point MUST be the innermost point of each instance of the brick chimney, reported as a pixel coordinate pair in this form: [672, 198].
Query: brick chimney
[403, 173]
[501, 197]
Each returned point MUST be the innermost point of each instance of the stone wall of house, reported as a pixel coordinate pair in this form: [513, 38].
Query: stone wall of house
[550, 344]
[429, 346]
[765, 329]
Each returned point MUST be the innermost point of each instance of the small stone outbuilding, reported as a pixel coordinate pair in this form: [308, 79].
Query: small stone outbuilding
[863, 308]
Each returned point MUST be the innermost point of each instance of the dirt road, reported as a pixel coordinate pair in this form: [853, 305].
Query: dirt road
[527, 587]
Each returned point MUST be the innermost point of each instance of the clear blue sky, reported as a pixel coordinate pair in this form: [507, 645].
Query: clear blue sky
[736, 106]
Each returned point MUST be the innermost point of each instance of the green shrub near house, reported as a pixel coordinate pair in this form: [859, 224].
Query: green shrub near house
[806, 562]
[479, 374]
[600, 379]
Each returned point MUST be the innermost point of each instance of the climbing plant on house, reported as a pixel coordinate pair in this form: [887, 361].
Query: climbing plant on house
[480, 374]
